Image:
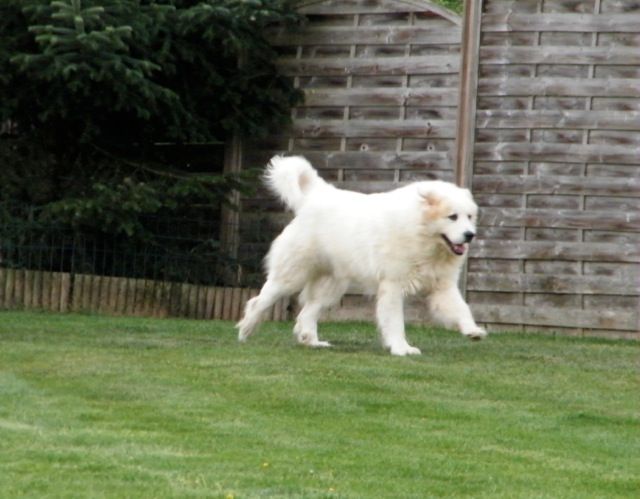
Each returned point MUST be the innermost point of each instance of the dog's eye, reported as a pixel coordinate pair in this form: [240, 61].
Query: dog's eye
[453, 217]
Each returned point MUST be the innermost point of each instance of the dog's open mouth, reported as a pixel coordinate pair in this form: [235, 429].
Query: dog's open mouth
[457, 249]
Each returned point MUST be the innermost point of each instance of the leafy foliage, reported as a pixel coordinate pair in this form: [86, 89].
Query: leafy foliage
[91, 87]
[454, 5]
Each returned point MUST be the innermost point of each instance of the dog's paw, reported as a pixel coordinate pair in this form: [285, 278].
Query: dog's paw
[243, 331]
[311, 340]
[320, 344]
[477, 333]
[406, 349]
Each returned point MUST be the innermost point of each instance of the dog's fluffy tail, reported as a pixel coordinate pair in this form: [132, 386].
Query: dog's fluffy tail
[291, 178]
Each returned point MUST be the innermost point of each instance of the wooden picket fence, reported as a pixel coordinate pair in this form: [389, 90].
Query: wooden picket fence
[65, 292]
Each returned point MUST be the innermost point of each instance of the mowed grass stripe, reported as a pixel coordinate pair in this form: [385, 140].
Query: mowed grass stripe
[126, 407]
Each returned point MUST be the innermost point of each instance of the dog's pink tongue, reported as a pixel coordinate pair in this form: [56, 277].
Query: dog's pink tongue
[458, 249]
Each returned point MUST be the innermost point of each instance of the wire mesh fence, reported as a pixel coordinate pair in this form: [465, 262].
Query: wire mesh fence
[171, 248]
[179, 266]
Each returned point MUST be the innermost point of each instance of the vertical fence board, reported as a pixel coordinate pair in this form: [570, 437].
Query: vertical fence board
[202, 303]
[138, 296]
[218, 303]
[96, 284]
[86, 293]
[76, 293]
[36, 290]
[228, 304]
[18, 292]
[112, 297]
[209, 302]
[130, 304]
[28, 289]
[55, 291]
[65, 290]
[103, 300]
[121, 299]
[192, 302]
[45, 290]
[3, 279]
[8, 288]
[236, 303]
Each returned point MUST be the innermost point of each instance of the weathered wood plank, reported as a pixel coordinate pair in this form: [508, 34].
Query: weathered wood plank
[530, 6]
[55, 291]
[558, 86]
[81, 292]
[46, 290]
[530, 184]
[65, 291]
[545, 54]
[227, 311]
[161, 300]
[433, 64]
[130, 305]
[9, 283]
[111, 298]
[547, 22]
[236, 304]
[564, 153]
[553, 218]
[330, 160]
[104, 287]
[335, 7]
[377, 35]
[18, 288]
[3, 283]
[540, 118]
[121, 293]
[218, 303]
[441, 129]
[559, 317]
[555, 250]
[401, 96]
[561, 284]
[28, 289]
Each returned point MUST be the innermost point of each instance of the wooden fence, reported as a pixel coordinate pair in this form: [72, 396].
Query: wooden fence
[380, 81]
[64, 292]
[536, 108]
[540, 117]
[553, 140]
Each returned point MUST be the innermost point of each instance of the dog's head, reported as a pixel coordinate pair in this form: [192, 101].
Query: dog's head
[450, 215]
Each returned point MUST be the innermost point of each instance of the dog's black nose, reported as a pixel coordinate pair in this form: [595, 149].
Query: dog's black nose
[468, 236]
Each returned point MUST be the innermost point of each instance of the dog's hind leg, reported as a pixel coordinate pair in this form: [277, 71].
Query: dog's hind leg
[315, 297]
[271, 292]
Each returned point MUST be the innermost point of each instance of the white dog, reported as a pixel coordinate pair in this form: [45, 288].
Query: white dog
[409, 240]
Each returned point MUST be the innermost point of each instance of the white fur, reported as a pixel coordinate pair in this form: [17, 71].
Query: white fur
[389, 244]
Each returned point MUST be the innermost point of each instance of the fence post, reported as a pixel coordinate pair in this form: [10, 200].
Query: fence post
[465, 133]
[230, 217]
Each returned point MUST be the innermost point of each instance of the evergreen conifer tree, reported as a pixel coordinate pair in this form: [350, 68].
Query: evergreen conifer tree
[90, 87]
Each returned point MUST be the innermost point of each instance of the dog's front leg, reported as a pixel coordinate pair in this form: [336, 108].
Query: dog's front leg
[390, 315]
[448, 306]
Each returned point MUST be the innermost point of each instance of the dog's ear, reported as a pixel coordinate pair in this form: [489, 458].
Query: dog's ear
[433, 205]
[431, 199]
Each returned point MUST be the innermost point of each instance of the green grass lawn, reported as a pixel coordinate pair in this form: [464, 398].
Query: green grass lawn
[119, 407]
